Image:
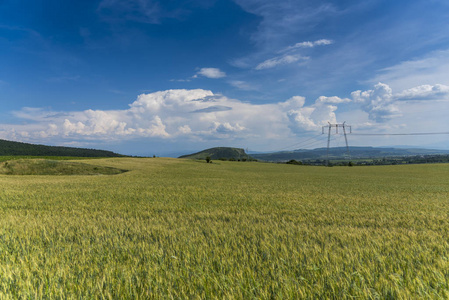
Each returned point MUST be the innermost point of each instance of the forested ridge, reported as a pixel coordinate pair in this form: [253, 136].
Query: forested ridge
[19, 148]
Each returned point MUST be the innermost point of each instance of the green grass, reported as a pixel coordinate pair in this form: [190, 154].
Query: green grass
[186, 229]
[53, 167]
[16, 157]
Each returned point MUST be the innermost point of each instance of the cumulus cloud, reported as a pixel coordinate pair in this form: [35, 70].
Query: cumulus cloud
[201, 115]
[379, 103]
[309, 118]
[293, 102]
[383, 105]
[227, 127]
[211, 73]
[171, 114]
[184, 129]
[279, 60]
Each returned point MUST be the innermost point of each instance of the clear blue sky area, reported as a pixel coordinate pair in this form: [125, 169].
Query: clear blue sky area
[148, 77]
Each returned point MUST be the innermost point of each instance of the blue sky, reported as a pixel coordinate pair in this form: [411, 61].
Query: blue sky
[146, 77]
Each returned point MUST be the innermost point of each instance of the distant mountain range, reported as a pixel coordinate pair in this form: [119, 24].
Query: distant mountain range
[17, 148]
[341, 153]
[228, 153]
[313, 154]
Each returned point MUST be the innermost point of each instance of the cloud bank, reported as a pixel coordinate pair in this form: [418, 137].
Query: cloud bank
[200, 116]
[194, 114]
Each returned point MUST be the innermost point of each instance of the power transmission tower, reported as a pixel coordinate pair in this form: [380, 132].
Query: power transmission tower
[336, 126]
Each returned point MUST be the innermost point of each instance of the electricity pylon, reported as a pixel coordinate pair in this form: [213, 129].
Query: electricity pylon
[343, 126]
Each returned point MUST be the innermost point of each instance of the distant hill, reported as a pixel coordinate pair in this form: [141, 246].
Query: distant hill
[220, 153]
[17, 148]
[340, 152]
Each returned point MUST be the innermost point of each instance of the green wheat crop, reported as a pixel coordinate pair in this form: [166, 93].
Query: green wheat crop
[177, 229]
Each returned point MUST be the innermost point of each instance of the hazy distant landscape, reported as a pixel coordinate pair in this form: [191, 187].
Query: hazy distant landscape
[335, 155]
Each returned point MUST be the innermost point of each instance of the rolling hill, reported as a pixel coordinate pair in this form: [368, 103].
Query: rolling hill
[220, 153]
[18, 148]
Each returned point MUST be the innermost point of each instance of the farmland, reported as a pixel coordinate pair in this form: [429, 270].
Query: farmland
[173, 228]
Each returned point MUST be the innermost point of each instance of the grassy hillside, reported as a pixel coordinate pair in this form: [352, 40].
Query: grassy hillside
[8, 148]
[53, 167]
[220, 153]
[180, 229]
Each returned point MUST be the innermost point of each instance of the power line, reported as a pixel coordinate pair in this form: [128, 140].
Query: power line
[302, 143]
[314, 143]
[414, 133]
[317, 139]
[336, 126]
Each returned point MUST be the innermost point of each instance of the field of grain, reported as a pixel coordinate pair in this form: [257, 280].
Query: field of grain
[176, 229]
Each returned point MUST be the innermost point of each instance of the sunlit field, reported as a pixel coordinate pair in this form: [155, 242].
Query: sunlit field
[176, 229]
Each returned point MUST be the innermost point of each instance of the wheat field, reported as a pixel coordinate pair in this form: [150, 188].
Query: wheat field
[183, 229]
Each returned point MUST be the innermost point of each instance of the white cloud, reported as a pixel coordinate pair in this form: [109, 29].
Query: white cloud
[383, 105]
[334, 100]
[227, 127]
[199, 116]
[279, 60]
[184, 129]
[291, 54]
[172, 114]
[211, 73]
[242, 85]
[293, 102]
[68, 127]
[379, 102]
[308, 118]
[308, 44]
[156, 129]
[322, 42]
[426, 91]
